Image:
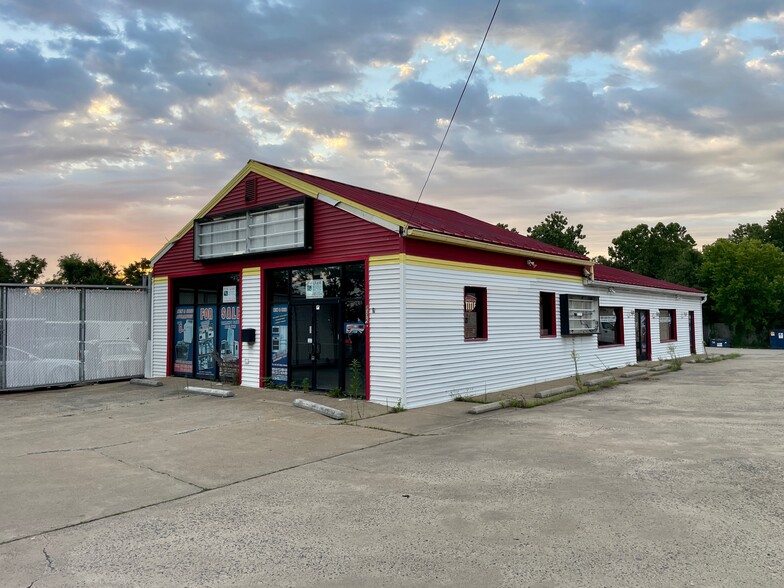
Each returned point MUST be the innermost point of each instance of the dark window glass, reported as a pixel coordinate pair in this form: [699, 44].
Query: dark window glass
[354, 280]
[299, 278]
[547, 314]
[475, 313]
[331, 276]
[610, 326]
[186, 296]
[207, 297]
[279, 285]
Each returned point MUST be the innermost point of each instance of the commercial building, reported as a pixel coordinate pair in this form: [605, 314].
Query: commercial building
[298, 278]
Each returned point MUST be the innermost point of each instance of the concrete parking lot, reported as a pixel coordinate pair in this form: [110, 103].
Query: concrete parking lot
[676, 480]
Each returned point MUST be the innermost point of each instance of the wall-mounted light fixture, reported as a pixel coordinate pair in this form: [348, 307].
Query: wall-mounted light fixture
[531, 263]
[611, 290]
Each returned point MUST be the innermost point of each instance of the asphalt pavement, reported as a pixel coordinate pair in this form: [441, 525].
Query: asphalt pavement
[672, 480]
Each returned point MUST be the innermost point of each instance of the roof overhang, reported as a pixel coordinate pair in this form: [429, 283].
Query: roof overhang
[391, 223]
[648, 289]
[495, 248]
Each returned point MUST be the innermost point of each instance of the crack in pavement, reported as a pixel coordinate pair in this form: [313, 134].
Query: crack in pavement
[144, 467]
[74, 449]
[49, 562]
[201, 491]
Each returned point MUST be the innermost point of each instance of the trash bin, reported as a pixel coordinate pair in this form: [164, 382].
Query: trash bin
[720, 343]
[777, 338]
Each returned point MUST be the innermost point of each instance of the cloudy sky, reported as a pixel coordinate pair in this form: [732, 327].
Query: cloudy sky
[120, 119]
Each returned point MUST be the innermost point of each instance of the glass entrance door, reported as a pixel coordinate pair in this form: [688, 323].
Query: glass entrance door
[642, 335]
[315, 349]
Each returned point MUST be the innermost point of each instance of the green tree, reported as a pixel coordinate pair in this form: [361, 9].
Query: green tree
[133, 273]
[29, 271]
[75, 270]
[507, 227]
[666, 252]
[555, 230]
[747, 231]
[23, 271]
[6, 270]
[745, 284]
[774, 229]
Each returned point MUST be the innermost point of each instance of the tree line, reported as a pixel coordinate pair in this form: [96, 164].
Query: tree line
[742, 274]
[72, 269]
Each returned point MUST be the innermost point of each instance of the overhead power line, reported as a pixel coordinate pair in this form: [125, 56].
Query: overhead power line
[451, 120]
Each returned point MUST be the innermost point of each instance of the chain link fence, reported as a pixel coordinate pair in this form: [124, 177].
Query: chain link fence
[59, 335]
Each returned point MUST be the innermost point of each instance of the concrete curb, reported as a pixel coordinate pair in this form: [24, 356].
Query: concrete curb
[600, 381]
[146, 382]
[327, 411]
[634, 374]
[555, 391]
[660, 368]
[489, 407]
[209, 391]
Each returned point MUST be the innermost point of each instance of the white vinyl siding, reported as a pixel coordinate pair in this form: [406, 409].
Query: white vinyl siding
[387, 349]
[419, 355]
[160, 326]
[651, 301]
[251, 319]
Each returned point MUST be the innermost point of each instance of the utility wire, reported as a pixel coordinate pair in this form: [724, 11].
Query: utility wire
[451, 120]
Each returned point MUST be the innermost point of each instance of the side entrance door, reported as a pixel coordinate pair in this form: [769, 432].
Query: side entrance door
[642, 335]
[692, 334]
[315, 348]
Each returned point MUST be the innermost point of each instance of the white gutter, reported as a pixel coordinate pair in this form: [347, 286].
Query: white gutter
[634, 288]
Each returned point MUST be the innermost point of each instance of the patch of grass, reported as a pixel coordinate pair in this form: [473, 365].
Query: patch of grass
[675, 362]
[715, 358]
[474, 399]
[335, 393]
[534, 402]
[398, 407]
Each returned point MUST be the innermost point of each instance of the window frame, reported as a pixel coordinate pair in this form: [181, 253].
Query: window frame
[547, 299]
[480, 292]
[619, 332]
[673, 325]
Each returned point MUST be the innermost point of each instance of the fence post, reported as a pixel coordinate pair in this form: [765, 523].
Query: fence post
[3, 335]
[82, 330]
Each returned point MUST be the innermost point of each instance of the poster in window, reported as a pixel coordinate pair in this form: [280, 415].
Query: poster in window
[279, 344]
[229, 332]
[205, 341]
[183, 341]
[314, 289]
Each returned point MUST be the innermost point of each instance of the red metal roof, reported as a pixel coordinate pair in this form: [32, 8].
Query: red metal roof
[430, 218]
[604, 273]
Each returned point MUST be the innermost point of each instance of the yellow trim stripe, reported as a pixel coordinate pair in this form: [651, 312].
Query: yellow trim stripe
[403, 258]
[311, 190]
[160, 280]
[248, 272]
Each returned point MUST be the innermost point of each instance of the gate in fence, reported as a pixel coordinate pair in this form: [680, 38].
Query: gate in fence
[53, 335]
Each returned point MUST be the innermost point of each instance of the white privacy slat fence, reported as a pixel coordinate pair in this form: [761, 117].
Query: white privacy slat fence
[58, 335]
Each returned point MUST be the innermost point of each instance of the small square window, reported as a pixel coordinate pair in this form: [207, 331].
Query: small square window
[475, 313]
[547, 314]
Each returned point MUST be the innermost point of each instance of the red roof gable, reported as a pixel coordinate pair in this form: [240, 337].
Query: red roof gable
[430, 218]
[604, 273]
